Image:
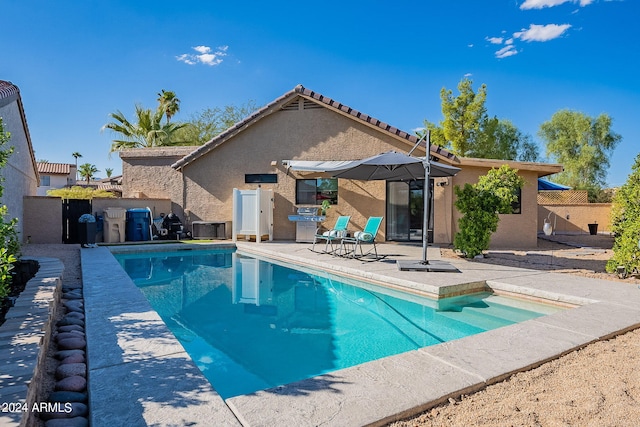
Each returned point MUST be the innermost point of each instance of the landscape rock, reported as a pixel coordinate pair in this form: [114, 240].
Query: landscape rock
[68, 396]
[72, 344]
[74, 383]
[71, 369]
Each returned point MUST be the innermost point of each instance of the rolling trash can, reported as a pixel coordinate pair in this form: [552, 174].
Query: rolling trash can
[87, 230]
[138, 225]
[593, 229]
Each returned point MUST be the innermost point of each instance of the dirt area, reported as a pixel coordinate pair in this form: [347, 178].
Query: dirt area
[598, 385]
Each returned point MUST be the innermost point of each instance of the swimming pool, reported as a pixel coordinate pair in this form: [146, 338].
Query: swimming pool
[250, 324]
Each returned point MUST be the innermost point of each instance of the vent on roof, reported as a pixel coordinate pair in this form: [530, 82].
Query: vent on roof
[310, 105]
[292, 106]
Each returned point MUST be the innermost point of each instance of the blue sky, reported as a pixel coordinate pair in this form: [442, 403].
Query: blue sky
[77, 61]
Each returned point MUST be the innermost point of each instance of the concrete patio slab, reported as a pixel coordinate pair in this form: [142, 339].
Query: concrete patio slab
[373, 393]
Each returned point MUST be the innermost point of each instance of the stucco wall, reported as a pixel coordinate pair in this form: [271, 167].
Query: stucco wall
[43, 215]
[514, 230]
[42, 219]
[315, 134]
[575, 218]
[19, 174]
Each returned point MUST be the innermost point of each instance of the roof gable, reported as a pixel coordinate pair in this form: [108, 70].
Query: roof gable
[309, 99]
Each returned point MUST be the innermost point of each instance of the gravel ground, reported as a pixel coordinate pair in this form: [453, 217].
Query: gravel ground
[598, 385]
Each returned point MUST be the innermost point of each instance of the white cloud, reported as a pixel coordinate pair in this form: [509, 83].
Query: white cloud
[508, 50]
[541, 33]
[539, 4]
[495, 40]
[204, 56]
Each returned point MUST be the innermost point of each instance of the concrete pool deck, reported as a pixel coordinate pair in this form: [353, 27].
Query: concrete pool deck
[140, 375]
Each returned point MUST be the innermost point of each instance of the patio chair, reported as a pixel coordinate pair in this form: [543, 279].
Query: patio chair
[338, 231]
[361, 238]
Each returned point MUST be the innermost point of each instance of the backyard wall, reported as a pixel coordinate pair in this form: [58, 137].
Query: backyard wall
[574, 218]
[43, 215]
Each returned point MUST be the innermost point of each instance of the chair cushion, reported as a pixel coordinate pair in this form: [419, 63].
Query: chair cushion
[362, 236]
[334, 233]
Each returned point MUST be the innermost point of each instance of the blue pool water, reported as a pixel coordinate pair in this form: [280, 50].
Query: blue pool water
[250, 324]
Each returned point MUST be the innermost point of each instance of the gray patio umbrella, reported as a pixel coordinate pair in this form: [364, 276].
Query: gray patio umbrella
[394, 165]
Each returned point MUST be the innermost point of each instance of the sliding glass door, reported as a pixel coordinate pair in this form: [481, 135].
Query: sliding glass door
[405, 207]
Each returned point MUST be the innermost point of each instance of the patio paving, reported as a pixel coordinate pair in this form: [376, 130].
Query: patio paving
[140, 375]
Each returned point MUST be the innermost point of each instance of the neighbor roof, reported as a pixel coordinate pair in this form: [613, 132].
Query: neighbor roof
[54, 168]
[320, 99]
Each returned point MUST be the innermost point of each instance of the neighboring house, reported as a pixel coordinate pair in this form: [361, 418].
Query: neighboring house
[55, 175]
[112, 184]
[20, 174]
[305, 125]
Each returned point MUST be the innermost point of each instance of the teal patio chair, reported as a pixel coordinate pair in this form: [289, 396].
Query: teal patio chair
[336, 234]
[360, 238]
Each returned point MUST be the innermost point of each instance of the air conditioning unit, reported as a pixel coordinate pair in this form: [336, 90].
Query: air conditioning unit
[208, 230]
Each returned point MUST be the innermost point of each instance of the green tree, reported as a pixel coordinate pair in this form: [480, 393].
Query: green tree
[208, 123]
[583, 145]
[76, 155]
[109, 172]
[169, 103]
[147, 130]
[87, 171]
[480, 204]
[463, 116]
[625, 223]
[468, 131]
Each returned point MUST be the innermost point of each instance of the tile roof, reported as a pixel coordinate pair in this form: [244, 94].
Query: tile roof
[300, 90]
[7, 89]
[54, 168]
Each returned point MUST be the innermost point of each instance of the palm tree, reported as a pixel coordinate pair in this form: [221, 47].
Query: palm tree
[75, 154]
[87, 170]
[169, 103]
[108, 171]
[148, 131]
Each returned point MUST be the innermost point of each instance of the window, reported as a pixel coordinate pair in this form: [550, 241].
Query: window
[315, 191]
[261, 178]
[45, 181]
[516, 207]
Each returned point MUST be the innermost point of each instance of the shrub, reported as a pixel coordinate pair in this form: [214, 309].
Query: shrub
[625, 223]
[480, 204]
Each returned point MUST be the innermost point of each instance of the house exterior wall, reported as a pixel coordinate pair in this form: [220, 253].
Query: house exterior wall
[514, 230]
[20, 178]
[314, 134]
[147, 173]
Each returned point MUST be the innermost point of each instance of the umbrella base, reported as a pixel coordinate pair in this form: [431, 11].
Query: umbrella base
[441, 266]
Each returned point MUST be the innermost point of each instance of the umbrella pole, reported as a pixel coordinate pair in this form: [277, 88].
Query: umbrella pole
[425, 221]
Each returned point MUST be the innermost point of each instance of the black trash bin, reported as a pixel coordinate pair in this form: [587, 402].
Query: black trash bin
[87, 233]
[593, 229]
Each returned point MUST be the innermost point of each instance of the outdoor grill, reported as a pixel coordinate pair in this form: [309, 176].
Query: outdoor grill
[307, 221]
